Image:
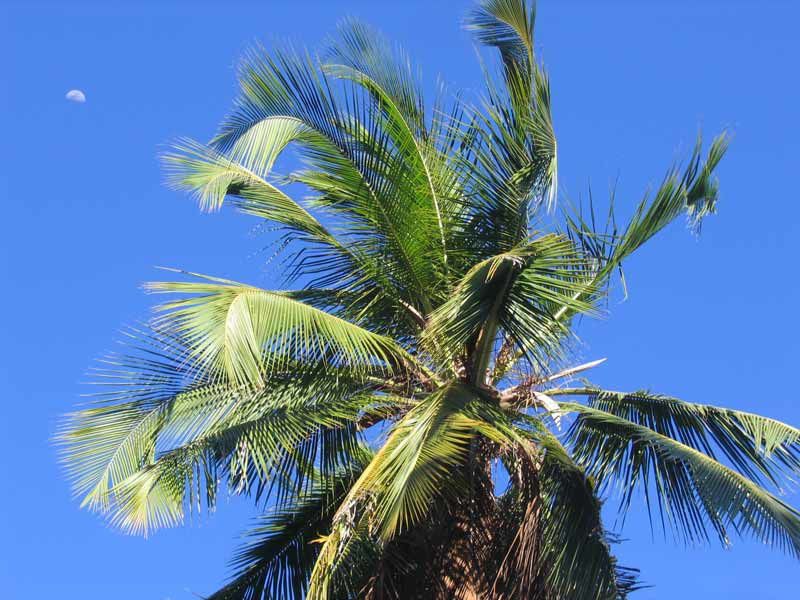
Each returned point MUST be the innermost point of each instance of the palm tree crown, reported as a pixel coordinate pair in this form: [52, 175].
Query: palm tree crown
[402, 411]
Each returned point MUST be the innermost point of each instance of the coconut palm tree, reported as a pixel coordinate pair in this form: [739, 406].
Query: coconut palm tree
[406, 412]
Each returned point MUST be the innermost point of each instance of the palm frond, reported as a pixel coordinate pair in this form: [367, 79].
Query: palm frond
[515, 165]
[692, 192]
[275, 441]
[359, 174]
[417, 464]
[518, 292]
[112, 437]
[691, 489]
[212, 176]
[508, 26]
[159, 432]
[761, 448]
[577, 548]
[277, 560]
[361, 55]
[243, 333]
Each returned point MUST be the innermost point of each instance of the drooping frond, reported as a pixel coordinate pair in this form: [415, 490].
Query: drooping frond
[112, 437]
[160, 432]
[212, 176]
[269, 441]
[577, 553]
[690, 489]
[277, 560]
[557, 545]
[759, 447]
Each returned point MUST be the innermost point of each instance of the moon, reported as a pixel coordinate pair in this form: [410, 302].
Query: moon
[76, 96]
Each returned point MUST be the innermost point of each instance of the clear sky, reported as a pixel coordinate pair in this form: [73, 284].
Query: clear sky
[85, 218]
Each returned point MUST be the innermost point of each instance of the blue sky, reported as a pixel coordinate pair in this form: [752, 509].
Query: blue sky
[85, 218]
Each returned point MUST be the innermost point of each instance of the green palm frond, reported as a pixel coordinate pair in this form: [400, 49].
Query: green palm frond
[277, 560]
[418, 463]
[359, 174]
[508, 26]
[692, 192]
[116, 433]
[518, 292]
[516, 165]
[159, 425]
[415, 461]
[691, 489]
[277, 444]
[243, 332]
[457, 323]
[212, 176]
[362, 56]
[761, 448]
[577, 547]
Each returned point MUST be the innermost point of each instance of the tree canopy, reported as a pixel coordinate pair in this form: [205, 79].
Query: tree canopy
[405, 412]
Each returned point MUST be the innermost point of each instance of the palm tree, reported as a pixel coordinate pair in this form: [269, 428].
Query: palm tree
[406, 413]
